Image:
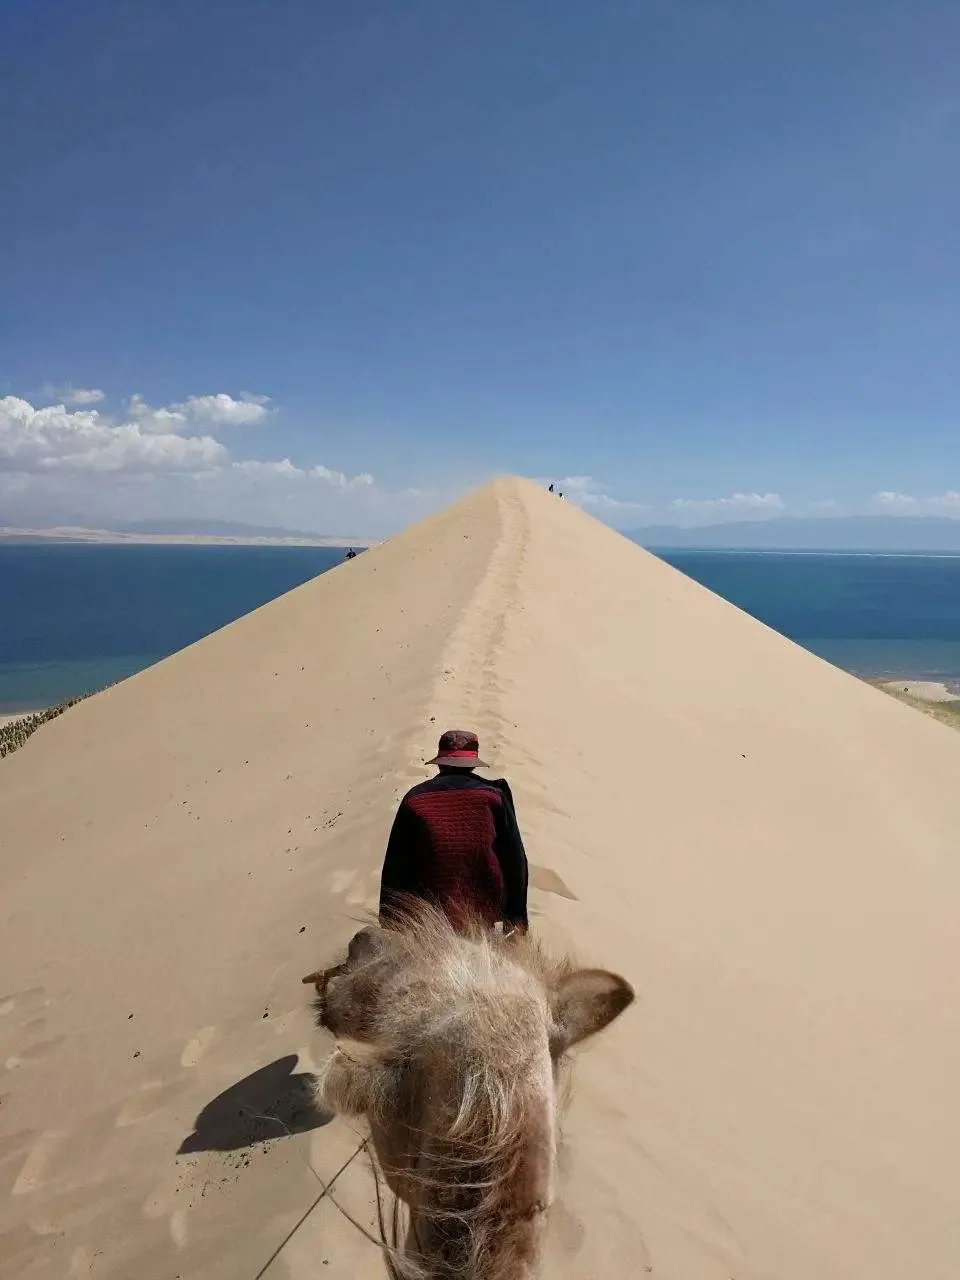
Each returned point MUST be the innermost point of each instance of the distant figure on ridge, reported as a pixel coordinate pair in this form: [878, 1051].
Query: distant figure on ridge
[550, 490]
[351, 554]
[455, 843]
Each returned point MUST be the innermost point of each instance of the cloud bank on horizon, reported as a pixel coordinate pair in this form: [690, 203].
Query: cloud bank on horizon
[164, 460]
[90, 465]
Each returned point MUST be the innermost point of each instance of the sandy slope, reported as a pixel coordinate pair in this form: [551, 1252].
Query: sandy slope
[765, 846]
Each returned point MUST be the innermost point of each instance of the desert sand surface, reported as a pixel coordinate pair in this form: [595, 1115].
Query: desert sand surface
[765, 846]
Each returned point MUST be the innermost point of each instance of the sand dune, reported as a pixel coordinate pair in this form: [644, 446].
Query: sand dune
[765, 846]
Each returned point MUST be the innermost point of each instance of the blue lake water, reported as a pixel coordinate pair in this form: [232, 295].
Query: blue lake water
[874, 615]
[74, 618]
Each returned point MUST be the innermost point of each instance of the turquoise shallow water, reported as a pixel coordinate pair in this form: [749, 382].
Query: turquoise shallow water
[75, 618]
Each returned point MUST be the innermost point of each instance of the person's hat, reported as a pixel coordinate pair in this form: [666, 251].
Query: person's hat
[459, 749]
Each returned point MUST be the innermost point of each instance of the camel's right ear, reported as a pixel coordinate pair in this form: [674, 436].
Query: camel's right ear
[366, 944]
[583, 1003]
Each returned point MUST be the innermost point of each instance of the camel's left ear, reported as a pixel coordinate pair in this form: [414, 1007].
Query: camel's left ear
[583, 1003]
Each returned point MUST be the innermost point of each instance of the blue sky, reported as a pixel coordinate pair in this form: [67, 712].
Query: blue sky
[329, 265]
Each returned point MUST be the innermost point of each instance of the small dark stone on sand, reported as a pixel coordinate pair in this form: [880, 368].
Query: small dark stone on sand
[302, 929]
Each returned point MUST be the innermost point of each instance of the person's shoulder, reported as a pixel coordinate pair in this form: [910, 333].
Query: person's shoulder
[495, 788]
[500, 785]
[417, 789]
[429, 786]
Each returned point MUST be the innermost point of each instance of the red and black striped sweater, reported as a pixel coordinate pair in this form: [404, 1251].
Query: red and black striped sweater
[455, 842]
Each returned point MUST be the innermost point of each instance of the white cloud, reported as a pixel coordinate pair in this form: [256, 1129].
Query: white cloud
[611, 503]
[888, 498]
[38, 440]
[589, 492]
[340, 480]
[155, 420]
[55, 441]
[220, 410]
[892, 501]
[86, 465]
[73, 395]
[286, 470]
[223, 411]
[736, 501]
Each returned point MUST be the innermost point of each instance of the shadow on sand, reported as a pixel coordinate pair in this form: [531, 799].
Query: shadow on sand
[273, 1102]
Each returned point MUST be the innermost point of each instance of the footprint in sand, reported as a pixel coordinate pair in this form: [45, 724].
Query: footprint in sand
[35, 1051]
[26, 1001]
[10, 1143]
[548, 881]
[76, 1208]
[29, 1004]
[198, 1046]
[62, 1152]
[178, 1227]
[149, 1099]
[342, 881]
[169, 1194]
[12, 1147]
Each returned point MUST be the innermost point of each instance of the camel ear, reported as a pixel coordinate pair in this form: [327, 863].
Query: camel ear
[583, 1003]
[366, 944]
[362, 946]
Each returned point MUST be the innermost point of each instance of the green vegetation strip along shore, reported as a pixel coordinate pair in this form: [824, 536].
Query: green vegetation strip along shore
[15, 734]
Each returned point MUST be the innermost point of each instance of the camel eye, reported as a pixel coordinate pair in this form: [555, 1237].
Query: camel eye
[557, 1044]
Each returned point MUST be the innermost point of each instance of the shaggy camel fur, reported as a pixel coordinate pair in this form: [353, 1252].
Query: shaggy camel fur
[450, 1044]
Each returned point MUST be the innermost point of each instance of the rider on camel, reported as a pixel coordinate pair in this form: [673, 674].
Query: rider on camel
[455, 843]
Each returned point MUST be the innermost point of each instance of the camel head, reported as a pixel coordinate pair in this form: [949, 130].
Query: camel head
[450, 1042]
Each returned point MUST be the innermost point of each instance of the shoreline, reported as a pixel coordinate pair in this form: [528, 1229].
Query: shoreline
[11, 717]
[16, 728]
[932, 691]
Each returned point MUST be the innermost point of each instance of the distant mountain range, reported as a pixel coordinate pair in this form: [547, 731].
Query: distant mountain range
[827, 533]
[211, 529]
